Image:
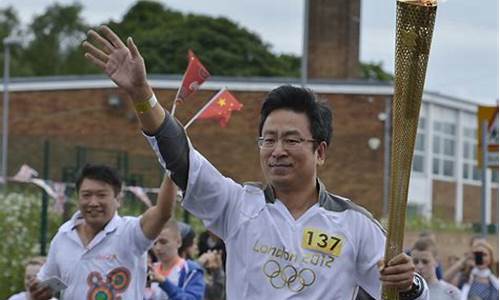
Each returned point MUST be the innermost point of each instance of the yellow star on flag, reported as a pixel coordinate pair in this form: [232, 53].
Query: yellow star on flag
[221, 102]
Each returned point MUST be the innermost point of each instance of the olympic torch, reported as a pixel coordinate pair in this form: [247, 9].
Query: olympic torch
[414, 28]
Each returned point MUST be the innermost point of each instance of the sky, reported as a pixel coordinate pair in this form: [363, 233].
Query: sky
[464, 53]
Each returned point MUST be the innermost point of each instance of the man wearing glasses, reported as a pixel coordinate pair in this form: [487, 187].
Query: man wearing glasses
[289, 238]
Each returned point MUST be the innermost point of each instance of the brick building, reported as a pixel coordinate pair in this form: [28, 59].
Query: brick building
[86, 119]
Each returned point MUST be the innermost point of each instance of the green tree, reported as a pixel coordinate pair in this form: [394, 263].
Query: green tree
[163, 35]
[375, 71]
[57, 36]
[10, 26]
[9, 23]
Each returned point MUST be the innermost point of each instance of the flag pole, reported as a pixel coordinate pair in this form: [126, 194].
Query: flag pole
[172, 111]
[204, 108]
[174, 105]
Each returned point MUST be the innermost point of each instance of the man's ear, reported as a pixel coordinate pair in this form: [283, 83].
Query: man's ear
[321, 153]
[119, 199]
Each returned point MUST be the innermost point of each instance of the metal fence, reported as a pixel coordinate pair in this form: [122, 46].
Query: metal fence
[58, 160]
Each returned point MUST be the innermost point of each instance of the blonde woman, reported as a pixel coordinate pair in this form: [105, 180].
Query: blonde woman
[482, 285]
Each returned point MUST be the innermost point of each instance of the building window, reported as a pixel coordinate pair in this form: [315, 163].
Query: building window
[494, 176]
[470, 170]
[444, 148]
[419, 153]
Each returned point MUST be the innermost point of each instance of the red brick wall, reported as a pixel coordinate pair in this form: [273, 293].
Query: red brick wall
[443, 204]
[472, 198]
[82, 117]
[333, 44]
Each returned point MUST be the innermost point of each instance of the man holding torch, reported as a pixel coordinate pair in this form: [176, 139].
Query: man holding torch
[290, 237]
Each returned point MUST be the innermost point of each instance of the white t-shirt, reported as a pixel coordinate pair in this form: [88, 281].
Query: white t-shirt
[442, 290]
[322, 255]
[22, 296]
[113, 264]
[19, 296]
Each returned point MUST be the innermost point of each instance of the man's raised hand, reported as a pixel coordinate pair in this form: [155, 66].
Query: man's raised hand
[122, 63]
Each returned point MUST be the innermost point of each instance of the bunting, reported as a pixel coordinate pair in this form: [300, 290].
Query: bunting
[25, 173]
[140, 194]
[57, 190]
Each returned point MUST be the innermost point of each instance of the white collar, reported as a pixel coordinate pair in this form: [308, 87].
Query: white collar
[77, 219]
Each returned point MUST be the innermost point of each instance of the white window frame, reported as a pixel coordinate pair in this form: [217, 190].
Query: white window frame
[446, 117]
[422, 123]
[471, 160]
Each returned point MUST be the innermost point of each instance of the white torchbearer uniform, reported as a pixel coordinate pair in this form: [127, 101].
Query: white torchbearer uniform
[328, 253]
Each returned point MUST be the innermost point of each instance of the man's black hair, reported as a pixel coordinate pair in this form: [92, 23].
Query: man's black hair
[300, 100]
[100, 173]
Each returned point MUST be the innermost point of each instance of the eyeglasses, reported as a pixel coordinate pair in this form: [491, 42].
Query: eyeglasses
[288, 143]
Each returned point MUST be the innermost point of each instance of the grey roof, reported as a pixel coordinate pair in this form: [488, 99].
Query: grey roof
[263, 84]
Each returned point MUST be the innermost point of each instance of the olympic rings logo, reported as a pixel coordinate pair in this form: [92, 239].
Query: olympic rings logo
[289, 276]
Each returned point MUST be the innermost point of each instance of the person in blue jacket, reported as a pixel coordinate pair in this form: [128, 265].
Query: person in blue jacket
[175, 278]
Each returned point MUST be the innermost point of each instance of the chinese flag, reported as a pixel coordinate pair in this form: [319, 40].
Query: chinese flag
[220, 108]
[194, 76]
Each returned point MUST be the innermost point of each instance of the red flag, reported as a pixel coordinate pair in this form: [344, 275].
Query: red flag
[194, 76]
[220, 108]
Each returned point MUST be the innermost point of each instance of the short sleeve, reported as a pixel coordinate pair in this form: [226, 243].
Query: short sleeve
[370, 249]
[136, 236]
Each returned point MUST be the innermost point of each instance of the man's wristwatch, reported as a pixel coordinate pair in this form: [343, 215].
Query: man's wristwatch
[417, 288]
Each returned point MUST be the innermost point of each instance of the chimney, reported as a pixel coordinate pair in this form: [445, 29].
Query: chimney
[333, 39]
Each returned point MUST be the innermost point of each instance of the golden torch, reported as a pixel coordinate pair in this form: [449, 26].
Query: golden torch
[414, 27]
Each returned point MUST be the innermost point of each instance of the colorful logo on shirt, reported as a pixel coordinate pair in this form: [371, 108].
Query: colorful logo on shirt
[117, 281]
[288, 276]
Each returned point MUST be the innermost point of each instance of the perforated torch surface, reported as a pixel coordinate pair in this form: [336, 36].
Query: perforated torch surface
[414, 28]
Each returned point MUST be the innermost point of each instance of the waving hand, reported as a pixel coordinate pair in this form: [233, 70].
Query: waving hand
[122, 63]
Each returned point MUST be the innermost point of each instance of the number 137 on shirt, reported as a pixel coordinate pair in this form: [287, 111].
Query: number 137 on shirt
[316, 239]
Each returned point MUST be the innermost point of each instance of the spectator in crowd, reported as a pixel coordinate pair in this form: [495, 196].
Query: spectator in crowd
[482, 284]
[210, 241]
[432, 236]
[213, 259]
[188, 248]
[32, 266]
[178, 278]
[424, 255]
[459, 273]
[98, 253]
[149, 292]
[215, 277]
[210, 260]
